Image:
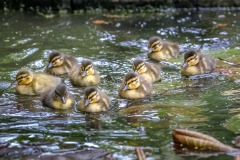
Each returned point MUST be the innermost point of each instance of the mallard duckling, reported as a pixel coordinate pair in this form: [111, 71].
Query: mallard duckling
[94, 101]
[134, 86]
[160, 50]
[30, 83]
[196, 63]
[150, 71]
[60, 63]
[58, 98]
[85, 74]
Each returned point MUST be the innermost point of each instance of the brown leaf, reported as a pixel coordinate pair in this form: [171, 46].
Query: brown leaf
[221, 25]
[98, 21]
[198, 140]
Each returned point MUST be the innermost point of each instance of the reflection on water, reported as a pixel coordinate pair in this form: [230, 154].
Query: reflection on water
[30, 129]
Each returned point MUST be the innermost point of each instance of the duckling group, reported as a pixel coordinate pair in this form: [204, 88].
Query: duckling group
[135, 84]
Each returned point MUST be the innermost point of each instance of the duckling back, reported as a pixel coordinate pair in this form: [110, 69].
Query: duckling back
[161, 50]
[134, 86]
[196, 63]
[60, 63]
[150, 71]
[94, 101]
[85, 75]
[39, 84]
[58, 98]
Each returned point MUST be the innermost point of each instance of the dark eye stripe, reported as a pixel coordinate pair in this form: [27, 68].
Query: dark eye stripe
[132, 81]
[192, 58]
[58, 94]
[156, 44]
[92, 96]
[54, 60]
[21, 77]
[140, 66]
[88, 68]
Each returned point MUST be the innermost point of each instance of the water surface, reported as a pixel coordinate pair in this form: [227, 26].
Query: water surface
[29, 129]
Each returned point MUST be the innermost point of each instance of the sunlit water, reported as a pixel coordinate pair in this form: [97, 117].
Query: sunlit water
[28, 128]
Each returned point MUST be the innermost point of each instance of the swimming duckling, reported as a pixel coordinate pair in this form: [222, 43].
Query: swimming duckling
[196, 63]
[58, 98]
[150, 71]
[160, 50]
[85, 74]
[94, 101]
[30, 83]
[134, 86]
[60, 63]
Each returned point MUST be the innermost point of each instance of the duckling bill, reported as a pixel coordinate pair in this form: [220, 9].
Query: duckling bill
[159, 49]
[60, 63]
[94, 101]
[195, 63]
[134, 86]
[30, 83]
[58, 98]
[85, 75]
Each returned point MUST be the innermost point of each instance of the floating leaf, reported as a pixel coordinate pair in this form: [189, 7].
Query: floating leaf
[97, 21]
[198, 140]
[221, 25]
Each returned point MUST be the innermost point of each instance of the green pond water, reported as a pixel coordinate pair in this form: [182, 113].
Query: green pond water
[201, 104]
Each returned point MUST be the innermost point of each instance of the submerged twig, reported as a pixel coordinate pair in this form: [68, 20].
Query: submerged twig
[140, 154]
[228, 62]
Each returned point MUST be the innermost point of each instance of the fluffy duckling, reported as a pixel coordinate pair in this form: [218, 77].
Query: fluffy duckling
[196, 63]
[160, 50]
[58, 98]
[134, 86]
[30, 83]
[85, 75]
[60, 63]
[150, 71]
[94, 101]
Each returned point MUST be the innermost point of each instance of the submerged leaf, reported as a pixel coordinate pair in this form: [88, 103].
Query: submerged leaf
[198, 140]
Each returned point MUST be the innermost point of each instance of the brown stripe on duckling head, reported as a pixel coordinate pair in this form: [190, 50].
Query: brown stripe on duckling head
[154, 40]
[131, 77]
[23, 73]
[190, 55]
[138, 63]
[90, 92]
[54, 54]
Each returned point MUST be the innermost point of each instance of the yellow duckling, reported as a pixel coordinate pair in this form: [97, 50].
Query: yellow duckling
[160, 50]
[85, 75]
[150, 71]
[60, 63]
[134, 86]
[94, 101]
[196, 63]
[30, 83]
[58, 98]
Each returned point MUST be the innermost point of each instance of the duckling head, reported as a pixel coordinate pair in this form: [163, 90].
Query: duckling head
[61, 93]
[139, 66]
[87, 68]
[131, 81]
[154, 44]
[191, 58]
[56, 59]
[24, 77]
[91, 95]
